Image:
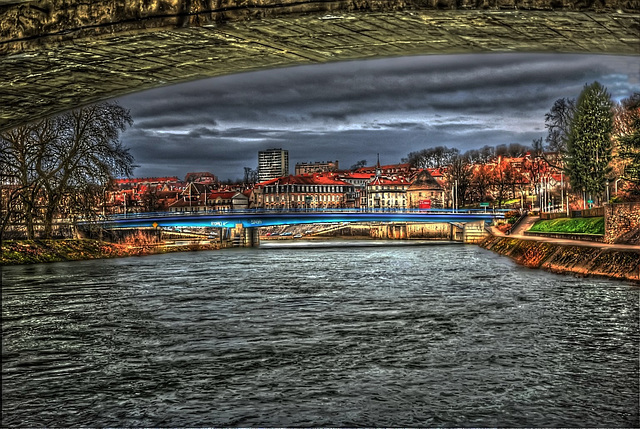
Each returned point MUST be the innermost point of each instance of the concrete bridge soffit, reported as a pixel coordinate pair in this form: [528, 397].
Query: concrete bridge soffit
[59, 54]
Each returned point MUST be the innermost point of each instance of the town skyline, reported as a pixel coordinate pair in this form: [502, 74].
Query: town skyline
[350, 111]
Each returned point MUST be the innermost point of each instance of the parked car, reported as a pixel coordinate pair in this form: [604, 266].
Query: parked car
[297, 236]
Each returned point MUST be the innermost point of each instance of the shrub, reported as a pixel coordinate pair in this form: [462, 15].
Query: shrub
[592, 225]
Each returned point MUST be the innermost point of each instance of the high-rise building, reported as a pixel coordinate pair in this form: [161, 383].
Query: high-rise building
[272, 163]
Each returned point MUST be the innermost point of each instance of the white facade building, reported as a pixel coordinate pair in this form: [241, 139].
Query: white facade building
[272, 163]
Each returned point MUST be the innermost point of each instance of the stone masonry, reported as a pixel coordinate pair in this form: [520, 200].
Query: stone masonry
[622, 223]
[60, 54]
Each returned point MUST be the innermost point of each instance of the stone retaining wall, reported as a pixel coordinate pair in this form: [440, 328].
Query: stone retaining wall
[578, 260]
[622, 223]
[580, 237]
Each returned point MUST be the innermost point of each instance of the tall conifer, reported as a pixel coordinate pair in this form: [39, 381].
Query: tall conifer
[589, 142]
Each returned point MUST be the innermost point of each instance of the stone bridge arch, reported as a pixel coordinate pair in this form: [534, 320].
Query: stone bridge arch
[60, 54]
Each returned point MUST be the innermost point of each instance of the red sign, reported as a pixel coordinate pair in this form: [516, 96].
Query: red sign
[424, 204]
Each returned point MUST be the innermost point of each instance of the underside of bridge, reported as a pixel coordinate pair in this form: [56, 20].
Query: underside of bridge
[56, 55]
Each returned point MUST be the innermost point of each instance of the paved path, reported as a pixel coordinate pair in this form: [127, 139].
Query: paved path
[530, 220]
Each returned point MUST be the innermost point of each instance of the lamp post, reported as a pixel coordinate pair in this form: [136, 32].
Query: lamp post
[616, 185]
[104, 202]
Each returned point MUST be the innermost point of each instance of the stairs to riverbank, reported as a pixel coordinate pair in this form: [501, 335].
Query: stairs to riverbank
[524, 225]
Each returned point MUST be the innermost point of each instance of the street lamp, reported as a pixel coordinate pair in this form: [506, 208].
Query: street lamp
[616, 185]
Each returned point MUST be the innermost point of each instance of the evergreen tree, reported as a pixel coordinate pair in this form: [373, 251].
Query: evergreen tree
[589, 142]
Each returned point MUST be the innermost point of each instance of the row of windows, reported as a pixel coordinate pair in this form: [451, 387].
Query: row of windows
[386, 188]
[304, 188]
[301, 198]
[387, 202]
[386, 195]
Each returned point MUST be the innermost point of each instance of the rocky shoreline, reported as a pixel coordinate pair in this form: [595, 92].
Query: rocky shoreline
[568, 259]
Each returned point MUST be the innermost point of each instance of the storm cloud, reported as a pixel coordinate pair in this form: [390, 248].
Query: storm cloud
[350, 111]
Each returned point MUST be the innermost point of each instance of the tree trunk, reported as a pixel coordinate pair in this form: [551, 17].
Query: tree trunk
[49, 214]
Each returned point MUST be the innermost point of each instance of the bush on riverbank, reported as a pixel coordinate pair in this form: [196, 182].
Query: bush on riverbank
[16, 252]
[592, 225]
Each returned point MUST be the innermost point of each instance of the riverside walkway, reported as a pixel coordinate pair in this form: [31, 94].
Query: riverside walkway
[528, 222]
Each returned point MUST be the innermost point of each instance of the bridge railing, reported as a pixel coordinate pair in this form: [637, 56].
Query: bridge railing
[142, 215]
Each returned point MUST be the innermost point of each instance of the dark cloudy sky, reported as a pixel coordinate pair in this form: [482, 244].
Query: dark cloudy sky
[350, 111]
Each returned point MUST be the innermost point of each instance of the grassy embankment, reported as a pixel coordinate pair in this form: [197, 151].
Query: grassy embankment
[38, 251]
[591, 225]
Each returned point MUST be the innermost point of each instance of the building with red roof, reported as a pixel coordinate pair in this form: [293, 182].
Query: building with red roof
[305, 191]
[388, 192]
[425, 192]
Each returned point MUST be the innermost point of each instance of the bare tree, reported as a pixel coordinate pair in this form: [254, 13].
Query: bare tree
[22, 154]
[56, 160]
[434, 157]
[558, 123]
[360, 164]
[458, 177]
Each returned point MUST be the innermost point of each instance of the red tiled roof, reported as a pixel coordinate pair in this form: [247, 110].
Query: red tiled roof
[356, 175]
[225, 195]
[390, 181]
[145, 179]
[305, 179]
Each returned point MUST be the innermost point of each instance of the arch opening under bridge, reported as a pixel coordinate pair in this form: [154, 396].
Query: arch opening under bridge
[241, 226]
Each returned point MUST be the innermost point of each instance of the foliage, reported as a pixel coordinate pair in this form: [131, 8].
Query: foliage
[589, 149]
[512, 216]
[627, 129]
[591, 225]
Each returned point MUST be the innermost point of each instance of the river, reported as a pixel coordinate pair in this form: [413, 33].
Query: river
[333, 335]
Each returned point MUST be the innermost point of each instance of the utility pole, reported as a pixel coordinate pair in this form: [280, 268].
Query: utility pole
[561, 192]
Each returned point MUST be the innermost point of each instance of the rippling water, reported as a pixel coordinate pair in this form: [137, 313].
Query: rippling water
[435, 335]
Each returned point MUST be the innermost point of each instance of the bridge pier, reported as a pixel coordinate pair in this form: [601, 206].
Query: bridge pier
[474, 232]
[245, 237]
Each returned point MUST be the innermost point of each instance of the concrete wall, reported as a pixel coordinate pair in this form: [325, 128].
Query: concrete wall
[474, 232]
[622, 223]
[403, 231]
[245, 237]
[60, 54]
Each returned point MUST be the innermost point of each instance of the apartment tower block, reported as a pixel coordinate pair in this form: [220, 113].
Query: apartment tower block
[272, 163]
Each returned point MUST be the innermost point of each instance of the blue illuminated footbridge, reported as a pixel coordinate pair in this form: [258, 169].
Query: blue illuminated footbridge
[259, 218]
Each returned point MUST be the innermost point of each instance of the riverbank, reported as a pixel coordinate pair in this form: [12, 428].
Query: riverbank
[568, 259]
[580, 260]
[42, 251]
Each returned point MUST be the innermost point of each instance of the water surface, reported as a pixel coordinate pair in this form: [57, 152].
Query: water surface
[435, 335]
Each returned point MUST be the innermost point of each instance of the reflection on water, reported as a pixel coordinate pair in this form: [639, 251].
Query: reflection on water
[435, 335]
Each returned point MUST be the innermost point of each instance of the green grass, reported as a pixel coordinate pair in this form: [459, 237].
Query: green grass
[590, 225]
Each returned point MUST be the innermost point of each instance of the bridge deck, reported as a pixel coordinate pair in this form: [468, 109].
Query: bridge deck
[257, 218]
